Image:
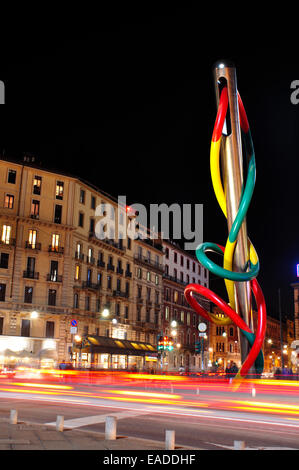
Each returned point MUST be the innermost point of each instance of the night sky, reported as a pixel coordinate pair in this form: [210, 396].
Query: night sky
[127, 102]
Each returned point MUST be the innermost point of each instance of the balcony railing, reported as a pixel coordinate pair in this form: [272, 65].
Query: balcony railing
[90, 285]
[79, 256]
[110, 267]
[108, 241]
[101, 264]
[128, 274]
[119, 270]
[8, 242]
[30, 274]
[147, 261]
[53, 277]
[118, 293]
[56, 249]
[33, 246]
[90, 260]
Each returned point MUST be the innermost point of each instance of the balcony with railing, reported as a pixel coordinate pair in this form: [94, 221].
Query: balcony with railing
[144, 260]
[108, 242]
[33, 246]
[30, 274]
[56, 249]
[121, 294]
[8, 242]
[90, 285]
[53, 277]
[79, 256]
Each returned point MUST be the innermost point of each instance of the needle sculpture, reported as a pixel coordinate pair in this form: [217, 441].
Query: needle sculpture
[230, 139]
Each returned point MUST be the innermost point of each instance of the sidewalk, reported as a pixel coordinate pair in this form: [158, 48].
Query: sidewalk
[31, 436]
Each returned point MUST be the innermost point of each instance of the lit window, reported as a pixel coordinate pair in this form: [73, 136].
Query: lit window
[59, 189]
[55, 242]
[77, 272]
[37, 185]
[8, 201]
[6, 232]
[32, 238]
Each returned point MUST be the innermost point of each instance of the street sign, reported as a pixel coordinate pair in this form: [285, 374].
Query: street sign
[201, 335]
[202, 327]
[74, 323]
[74, 330]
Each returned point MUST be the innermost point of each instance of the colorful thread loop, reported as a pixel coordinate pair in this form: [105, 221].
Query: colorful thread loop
[251, 269]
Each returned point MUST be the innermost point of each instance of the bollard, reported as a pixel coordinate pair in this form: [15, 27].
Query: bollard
[110, 428]
[239, 445]
[13, 417]
[169, 440]
[59, 423]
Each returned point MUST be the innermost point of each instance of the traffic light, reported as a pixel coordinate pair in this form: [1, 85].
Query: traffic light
[198, 347]
[165, 343]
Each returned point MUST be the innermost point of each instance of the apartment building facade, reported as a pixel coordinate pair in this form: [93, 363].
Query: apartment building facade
[179, 320]
[64, 258]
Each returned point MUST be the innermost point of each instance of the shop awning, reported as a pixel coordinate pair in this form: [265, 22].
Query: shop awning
[102, 345]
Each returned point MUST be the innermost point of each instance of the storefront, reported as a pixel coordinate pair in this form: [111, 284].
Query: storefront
[27, 351]
[101, 352]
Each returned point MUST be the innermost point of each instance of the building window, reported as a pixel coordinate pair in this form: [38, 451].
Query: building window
[87, 302]
[76, 300]
[55, 242]
[182, 316]
[156, 279]
[9, 201]
[4, 257]
[2, 292]
[175, 296]
[32, 238]
[77, 272]
[82, 196]
[11, 177]
[52, 297]
[93, 202]
[28, 295]
[166, 313]
[91, 225]
[50, 329]
[138, 314]
[109, 282]
[139, 273]
[148, 275]
[59, 189]
[1, 325]
[25, 328]
[188, 318]
[126, 312]
[81, 219]
[37, 185]
[34, 209]
[58, 214]
[175, 257]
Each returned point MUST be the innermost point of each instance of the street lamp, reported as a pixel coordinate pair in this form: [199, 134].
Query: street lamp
[105, 313]
[34, 314]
